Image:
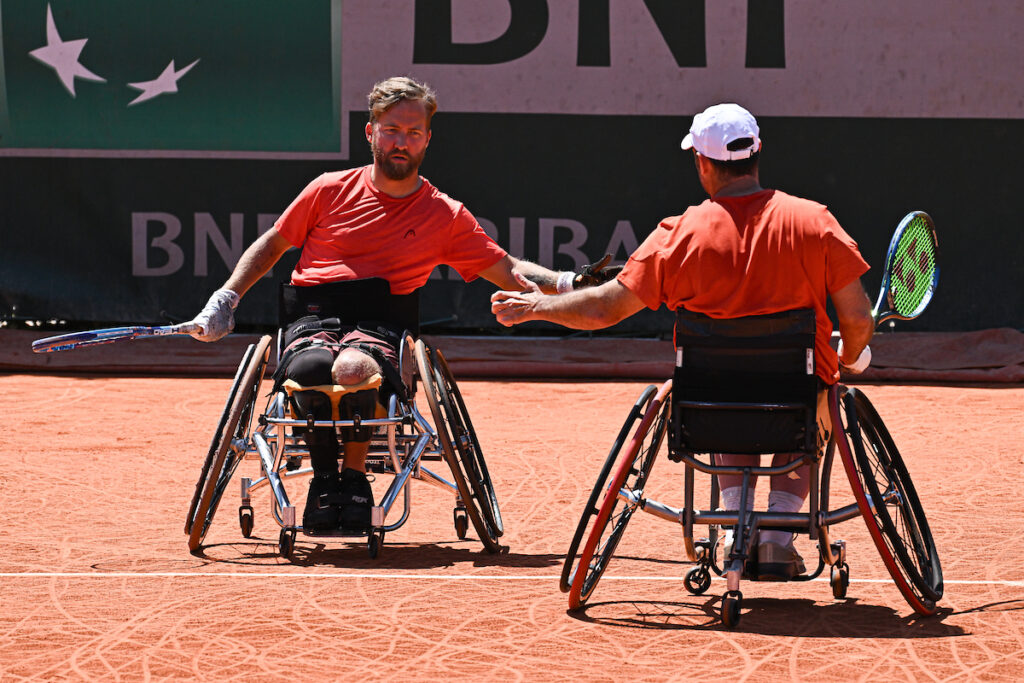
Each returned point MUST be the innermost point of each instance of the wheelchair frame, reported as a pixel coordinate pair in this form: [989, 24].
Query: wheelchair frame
[884, 497]
[400, 445]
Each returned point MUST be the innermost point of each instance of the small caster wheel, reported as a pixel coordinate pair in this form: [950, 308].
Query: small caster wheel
[840, 580]
[286, 542]
[461, 522]
[245, 520]
[697, 580]
[731, 603]
[374, 544]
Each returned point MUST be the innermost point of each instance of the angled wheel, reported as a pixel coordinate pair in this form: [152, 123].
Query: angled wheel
[635, 413]
[697, 580]
[228, 446]
[888, 501]
[459, 446]
[630, 473]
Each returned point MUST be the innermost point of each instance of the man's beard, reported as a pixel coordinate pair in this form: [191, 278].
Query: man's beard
[397, 170]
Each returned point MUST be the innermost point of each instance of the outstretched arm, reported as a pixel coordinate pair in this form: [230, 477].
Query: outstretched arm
[585, 309]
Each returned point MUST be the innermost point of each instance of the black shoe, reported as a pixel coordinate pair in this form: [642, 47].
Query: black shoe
[321, 513]
[355, 500]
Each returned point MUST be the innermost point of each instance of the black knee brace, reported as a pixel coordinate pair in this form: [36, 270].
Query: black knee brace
[310, 367]
[358, 405]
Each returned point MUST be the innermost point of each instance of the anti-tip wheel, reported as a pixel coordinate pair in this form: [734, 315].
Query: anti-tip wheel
[731, 603]
[245, 520]
[461, 521]
[286, 542]
[374, 544]
[840, 580]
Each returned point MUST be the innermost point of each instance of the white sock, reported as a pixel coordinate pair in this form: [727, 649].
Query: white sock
[731, 498]
[781, 501]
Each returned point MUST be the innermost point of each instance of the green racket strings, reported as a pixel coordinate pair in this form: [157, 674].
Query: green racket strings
[913, 268]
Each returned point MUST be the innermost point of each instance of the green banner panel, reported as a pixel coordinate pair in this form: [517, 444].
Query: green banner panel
[212, 75]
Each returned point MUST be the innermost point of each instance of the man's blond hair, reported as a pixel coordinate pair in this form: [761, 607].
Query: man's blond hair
[390, 92]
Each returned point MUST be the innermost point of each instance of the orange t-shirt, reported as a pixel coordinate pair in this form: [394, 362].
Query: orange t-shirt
[349, 230]
[761, 253]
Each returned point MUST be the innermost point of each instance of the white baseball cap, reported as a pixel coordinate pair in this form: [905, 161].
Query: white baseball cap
[715, 128]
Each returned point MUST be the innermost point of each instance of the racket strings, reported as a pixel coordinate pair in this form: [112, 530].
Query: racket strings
[913, 269]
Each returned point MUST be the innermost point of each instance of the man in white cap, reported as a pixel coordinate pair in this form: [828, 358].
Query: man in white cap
[744, 251]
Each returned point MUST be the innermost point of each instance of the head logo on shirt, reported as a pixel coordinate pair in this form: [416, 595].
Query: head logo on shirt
[409, 233]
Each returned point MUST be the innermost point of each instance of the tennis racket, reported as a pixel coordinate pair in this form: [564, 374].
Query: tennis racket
[74, 340]
[911, 270]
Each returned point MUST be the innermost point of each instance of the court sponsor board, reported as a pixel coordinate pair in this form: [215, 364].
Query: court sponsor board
[132, 184]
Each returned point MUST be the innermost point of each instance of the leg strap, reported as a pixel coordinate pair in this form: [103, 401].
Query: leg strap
[336, 402]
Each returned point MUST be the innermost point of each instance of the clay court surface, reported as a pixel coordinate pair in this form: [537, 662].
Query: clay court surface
[98, 583]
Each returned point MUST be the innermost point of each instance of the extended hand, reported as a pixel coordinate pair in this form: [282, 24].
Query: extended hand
[217, 318]
[511, 308]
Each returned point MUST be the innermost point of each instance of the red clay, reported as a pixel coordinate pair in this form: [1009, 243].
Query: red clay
[98, 582]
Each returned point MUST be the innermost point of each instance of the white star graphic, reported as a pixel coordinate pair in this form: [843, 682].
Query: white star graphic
[62, 56]
[167, 82]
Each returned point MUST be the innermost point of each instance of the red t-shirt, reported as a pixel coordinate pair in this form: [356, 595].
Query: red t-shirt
[735, 256]
[350, 230]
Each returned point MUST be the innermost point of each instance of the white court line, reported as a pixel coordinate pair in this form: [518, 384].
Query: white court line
[422, 577]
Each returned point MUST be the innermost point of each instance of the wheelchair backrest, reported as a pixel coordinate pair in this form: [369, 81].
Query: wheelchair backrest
[744, 385]
[352, 301]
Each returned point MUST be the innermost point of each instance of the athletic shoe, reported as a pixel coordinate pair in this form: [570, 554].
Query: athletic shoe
[321, 513]
[355, 500]
[777, 562]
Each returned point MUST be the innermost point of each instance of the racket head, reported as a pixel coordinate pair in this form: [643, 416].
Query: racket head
[911, 269]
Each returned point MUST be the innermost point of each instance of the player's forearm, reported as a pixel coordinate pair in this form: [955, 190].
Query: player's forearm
[856, 332]
[256, 261]
[545, 278]
[577, 310]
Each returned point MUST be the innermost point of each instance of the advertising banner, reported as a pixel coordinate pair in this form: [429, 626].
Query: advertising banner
[144, 144]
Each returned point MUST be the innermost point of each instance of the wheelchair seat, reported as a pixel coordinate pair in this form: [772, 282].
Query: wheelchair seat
[366, 303]
[744, 385]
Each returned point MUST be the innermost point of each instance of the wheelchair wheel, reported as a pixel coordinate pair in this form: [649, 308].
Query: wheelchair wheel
[888, 502]
[225, 451]
[638, 410]
[459, 446]
[632, 468]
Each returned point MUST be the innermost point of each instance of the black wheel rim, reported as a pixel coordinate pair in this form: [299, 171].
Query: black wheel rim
[570, 566]
[621, 513]
[234, 424]
[901, 519]
[459, 447]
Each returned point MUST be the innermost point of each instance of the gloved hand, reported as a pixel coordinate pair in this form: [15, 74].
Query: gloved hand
[217, 318]
[859, 365]
[596, 273]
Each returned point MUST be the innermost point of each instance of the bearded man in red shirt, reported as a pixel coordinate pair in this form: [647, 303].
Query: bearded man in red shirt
[379, 221]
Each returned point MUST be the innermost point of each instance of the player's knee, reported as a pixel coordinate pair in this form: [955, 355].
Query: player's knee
[353, 367]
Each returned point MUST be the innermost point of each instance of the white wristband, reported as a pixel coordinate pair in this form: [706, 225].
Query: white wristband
[565, 282]
[861, 364]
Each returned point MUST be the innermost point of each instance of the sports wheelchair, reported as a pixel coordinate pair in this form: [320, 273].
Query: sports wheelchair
[402, 443]
[747, 386]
